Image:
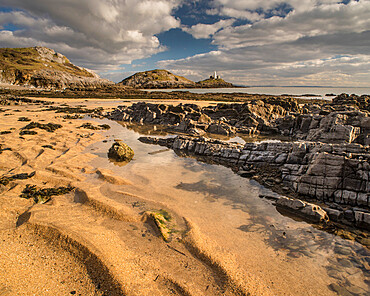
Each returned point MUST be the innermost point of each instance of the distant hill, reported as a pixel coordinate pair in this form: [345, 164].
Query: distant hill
[213, 83]
[162, 79]
[43, 67]
[157, 79]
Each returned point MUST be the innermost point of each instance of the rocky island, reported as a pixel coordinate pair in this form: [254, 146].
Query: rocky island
[162, 79]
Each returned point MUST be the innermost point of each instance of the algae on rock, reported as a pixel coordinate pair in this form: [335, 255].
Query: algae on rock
[120, 151]
[161, 219]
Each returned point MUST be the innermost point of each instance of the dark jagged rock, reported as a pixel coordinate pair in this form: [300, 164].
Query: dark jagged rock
[226, 119]
[328, 123]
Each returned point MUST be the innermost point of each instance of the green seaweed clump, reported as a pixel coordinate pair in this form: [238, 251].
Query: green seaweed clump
[5, 180]
[162, 220]
[43, 195]
[49, 127]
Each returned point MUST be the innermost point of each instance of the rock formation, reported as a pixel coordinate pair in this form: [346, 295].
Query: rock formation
[328, 159]
[42, 67]
[120, 151]
[328, 123]
[335, 174]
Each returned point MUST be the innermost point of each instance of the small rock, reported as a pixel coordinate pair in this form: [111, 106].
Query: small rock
[120, 152]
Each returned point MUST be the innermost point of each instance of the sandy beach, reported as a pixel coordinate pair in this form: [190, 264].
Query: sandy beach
[97, 239]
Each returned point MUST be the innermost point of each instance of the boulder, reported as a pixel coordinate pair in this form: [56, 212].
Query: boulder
[120, 151]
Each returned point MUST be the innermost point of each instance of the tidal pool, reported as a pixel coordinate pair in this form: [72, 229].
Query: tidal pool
[290, 255]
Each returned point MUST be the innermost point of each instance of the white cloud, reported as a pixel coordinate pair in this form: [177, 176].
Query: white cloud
[319, 20]
[317, 39]
[95, 32]
[207, 30]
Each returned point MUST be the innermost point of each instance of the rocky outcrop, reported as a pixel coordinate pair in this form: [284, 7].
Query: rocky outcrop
[334, 174]
[42, 67]
[344, 120]
[327, 161]
[157, 79]
[328, 123]
[249, 118]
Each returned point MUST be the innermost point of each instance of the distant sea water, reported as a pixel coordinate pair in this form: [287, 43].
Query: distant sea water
[292, 91]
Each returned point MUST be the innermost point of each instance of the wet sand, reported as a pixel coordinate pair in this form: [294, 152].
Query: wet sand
[96, 236]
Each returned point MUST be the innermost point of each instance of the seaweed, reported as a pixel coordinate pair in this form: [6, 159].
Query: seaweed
[71, 110]
[104, 126]
[5, 132]
[48, 146]
[93, 127]
[5, 180]
[43, 195]
[49, 127]
[24, 119]
[27, 132]
[76, 116]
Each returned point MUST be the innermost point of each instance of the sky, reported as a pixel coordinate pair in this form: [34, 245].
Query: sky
[248, 42]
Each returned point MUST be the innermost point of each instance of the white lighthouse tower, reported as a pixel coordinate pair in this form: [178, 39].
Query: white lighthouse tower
[215, 76]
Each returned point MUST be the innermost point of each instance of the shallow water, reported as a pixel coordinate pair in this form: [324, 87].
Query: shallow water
[275, 91]
[215, 197]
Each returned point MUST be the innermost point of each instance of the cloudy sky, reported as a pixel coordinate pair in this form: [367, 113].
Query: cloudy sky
[249, 42]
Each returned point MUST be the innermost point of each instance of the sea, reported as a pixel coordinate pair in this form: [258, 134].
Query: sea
[323, 92]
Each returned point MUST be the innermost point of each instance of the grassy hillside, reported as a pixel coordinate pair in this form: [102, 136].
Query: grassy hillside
[28, 60]
[157, 79]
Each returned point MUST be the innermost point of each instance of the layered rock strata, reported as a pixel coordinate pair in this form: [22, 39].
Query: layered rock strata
[335, 174]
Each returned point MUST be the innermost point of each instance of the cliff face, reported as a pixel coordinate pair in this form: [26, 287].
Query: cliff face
[45, 68]
[157, 79]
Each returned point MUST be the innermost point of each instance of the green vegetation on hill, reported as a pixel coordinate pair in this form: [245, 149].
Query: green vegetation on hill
[157, 79]
[27, 60]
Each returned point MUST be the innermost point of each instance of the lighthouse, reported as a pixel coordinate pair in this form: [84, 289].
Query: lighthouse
[215, 76]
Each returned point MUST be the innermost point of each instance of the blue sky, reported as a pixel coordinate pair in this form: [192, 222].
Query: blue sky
[266, 42]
